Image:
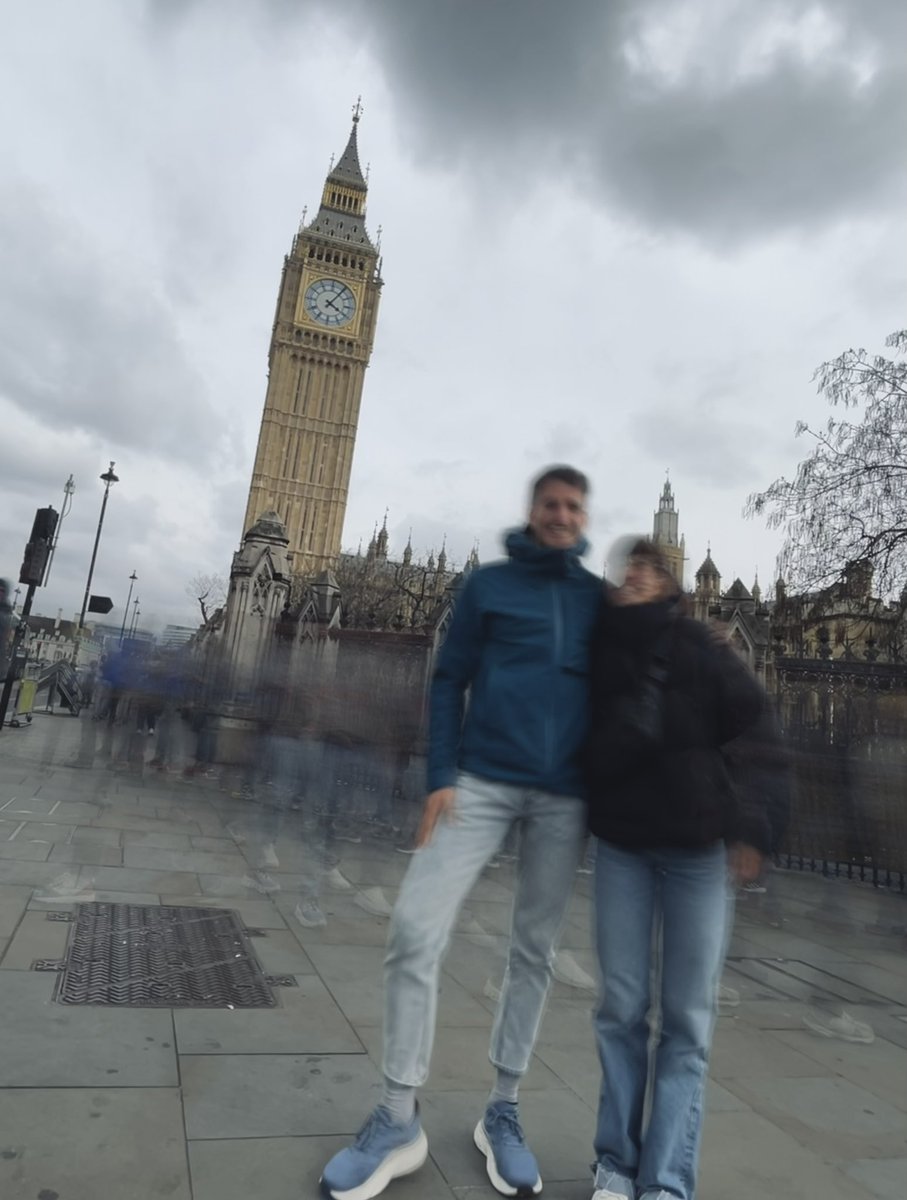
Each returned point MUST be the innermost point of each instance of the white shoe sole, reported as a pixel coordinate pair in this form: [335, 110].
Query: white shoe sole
[500, 1185]
[404, 1161]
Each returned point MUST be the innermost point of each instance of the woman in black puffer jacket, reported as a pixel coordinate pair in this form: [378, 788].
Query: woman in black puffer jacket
[667, 695]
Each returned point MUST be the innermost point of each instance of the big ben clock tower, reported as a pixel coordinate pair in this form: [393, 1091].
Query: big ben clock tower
[320, 346]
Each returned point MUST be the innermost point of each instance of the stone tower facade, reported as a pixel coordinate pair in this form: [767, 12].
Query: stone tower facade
[665, 533]
[321, 343]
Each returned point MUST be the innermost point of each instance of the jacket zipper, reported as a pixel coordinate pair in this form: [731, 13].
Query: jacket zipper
[558, 645]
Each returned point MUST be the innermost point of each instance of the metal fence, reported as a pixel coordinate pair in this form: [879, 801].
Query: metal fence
[846, 723]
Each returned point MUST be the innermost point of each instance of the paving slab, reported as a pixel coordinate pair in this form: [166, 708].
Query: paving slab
[281, 954]
[55, 904]
[739, 1051]
[87, 854]
[885, 1178]
[197, 862]
[29, 808]
[237, 1170]
[133, 879]
[266, 1095]
[36, 937]
[747, 1157]
[830, 1116]
[94, 834]
[26, 851]
[255, 914]
[235, 884]
[307, 1021]
[140, 824]
[44, 1044]
[83, 1144]
[75, 812]
[24, 871]
[879, 1067]
[158, 841]
[13, 902]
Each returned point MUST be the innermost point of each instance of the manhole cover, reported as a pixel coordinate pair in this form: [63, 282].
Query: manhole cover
[150, 956]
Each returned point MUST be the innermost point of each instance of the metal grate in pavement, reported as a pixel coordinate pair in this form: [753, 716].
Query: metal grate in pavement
[160, 956]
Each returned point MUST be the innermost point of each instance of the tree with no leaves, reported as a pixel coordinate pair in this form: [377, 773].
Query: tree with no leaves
[847, 503]
[209, 591]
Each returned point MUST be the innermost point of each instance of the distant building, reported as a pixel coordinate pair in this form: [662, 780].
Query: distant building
[665, 533]
[51, 640]
[175, 636]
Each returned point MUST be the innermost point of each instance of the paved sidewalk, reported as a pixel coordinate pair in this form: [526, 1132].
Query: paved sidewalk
[134, 1104]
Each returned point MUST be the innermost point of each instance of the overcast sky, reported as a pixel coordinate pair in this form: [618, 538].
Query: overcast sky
[619, 234]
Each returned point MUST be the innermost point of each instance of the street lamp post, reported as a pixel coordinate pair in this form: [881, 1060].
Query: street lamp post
[68, 488]
[132, 578]
[135, 616]
[108, 478]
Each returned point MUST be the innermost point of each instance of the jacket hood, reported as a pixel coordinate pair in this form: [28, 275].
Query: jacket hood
[522, 547]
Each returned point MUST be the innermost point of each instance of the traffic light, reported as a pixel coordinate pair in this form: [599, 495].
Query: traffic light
[37, 552]
[45, 525]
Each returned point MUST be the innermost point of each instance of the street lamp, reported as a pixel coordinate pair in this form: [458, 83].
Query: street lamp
[135, 616]
[132, 578]
[108, 478]
[68, 488]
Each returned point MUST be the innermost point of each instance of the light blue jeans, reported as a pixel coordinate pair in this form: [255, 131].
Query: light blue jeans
[666, 909]
[439, 879]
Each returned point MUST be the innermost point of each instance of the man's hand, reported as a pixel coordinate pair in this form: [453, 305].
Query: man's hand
[744, 862]
[439, 806]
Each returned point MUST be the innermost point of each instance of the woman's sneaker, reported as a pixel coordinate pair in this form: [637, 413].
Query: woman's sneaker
[309, 914]
[381, 1152]
[611, 1185]
[510, 1164]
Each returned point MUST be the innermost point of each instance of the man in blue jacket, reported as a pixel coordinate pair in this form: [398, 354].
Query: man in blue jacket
[518, 644]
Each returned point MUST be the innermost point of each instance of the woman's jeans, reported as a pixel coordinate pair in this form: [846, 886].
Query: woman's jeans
[439, 878]
[667, 908]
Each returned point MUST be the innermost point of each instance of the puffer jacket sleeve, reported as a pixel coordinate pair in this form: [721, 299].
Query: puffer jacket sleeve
[455, 671]
[759, 764]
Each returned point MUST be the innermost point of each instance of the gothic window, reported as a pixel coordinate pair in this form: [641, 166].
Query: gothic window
[311, 251]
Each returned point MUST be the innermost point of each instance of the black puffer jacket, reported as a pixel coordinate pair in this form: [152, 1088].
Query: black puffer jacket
[679, 792]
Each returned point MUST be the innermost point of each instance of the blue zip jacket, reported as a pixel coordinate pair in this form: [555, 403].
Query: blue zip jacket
[519, 641]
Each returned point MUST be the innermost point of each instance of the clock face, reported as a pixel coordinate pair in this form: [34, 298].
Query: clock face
[330, 302]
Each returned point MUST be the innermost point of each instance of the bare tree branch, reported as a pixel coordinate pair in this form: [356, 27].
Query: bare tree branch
[209, 591]
[847, 502]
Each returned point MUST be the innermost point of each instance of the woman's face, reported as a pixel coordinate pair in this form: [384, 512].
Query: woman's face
[643, 583]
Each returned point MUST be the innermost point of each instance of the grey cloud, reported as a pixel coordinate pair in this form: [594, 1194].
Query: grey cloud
[86, 344]
[714, 451]
[520, 89]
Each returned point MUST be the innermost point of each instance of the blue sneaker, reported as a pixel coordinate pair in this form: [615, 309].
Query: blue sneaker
[510, 1164]
[382, 1151]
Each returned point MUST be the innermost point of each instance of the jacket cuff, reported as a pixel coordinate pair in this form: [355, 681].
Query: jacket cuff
[756, 832]
[441, 777]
